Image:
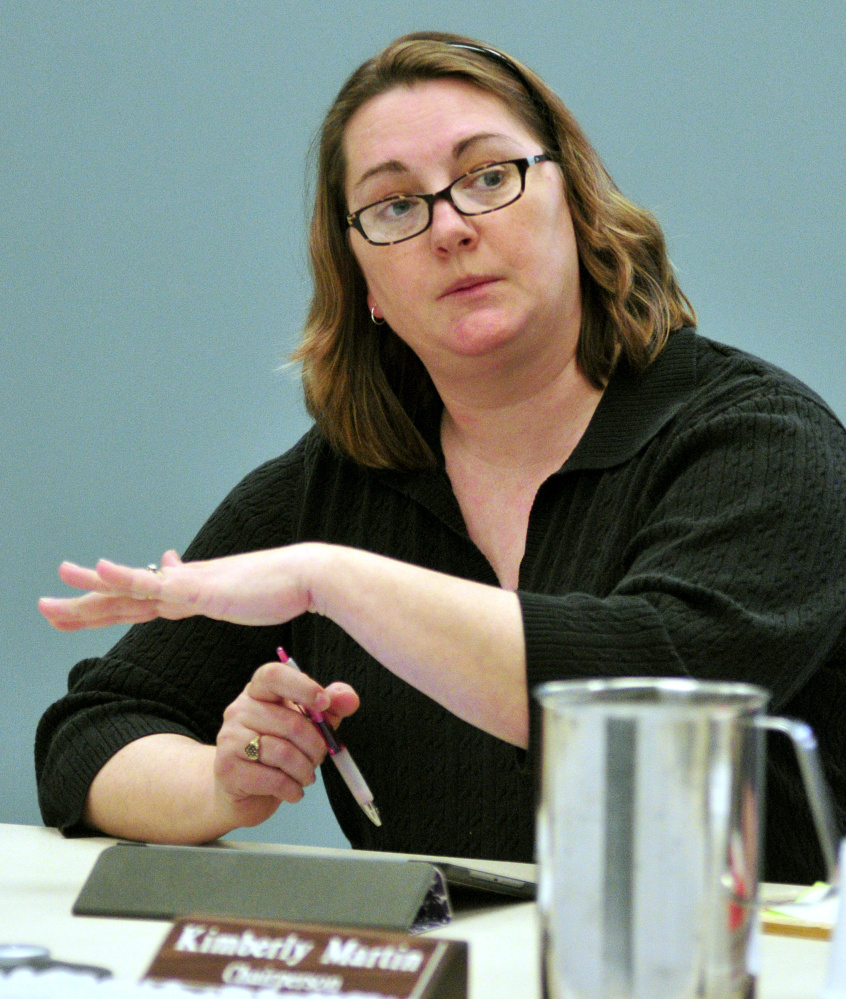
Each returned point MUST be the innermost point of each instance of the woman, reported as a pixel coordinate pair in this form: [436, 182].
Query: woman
[526, 465]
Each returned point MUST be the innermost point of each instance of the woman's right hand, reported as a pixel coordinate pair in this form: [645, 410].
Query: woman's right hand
[290, 745]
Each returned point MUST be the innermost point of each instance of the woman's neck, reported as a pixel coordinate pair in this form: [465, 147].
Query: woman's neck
[533, 423]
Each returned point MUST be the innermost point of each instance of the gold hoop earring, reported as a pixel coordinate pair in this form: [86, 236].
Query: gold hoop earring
[373, 317]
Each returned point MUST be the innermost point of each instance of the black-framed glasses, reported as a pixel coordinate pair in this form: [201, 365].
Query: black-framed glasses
[404, 216]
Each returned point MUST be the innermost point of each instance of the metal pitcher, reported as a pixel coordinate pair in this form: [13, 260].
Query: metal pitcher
[649, 835]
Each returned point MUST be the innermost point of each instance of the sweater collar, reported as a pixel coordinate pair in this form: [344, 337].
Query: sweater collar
[634, 408]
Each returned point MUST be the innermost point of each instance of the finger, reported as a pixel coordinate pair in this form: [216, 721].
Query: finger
[170, 558]
[247, 716]
[109, 577]
[95, 610]
[244, 780]
[281, 771]
[81, 578]
[138, 583]
[277, 681]
[280, 754]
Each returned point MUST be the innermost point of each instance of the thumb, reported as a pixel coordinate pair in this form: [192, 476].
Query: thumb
[344, 702]
[170, 558]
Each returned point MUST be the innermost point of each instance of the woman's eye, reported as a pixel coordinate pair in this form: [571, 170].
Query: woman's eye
[487, 180]
[391, 211]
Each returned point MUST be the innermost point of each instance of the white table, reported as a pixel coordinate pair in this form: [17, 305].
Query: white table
[42, 873]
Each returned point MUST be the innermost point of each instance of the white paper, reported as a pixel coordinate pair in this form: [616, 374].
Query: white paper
[814, 905]
[24, 983]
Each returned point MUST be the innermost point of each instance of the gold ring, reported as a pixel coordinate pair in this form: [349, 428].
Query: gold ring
[253, 748]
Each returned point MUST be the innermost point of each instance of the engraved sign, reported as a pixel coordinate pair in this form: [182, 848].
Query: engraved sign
[308, 958]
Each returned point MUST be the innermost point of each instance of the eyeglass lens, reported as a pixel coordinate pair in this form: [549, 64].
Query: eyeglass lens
[484, 190]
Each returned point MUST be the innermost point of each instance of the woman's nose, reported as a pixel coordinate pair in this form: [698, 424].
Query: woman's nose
[450, 229]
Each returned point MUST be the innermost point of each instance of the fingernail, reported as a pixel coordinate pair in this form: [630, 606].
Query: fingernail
[322, 701]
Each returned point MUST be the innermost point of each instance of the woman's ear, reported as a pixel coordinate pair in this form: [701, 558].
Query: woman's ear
[374, 310]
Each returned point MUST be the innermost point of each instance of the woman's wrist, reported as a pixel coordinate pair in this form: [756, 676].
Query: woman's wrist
[323, 570]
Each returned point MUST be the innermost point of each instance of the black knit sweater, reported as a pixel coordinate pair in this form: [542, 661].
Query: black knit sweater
[698, 529]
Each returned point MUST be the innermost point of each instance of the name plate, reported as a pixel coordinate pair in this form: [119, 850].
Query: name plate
[307, 958]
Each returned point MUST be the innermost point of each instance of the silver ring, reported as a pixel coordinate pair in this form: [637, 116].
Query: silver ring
[152, 567]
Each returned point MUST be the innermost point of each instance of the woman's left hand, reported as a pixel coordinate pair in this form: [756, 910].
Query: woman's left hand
[257, 588]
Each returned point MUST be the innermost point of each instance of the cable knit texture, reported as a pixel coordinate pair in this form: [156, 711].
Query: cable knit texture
[698, 529]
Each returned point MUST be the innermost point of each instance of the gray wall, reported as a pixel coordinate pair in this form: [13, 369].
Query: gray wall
[152, 265]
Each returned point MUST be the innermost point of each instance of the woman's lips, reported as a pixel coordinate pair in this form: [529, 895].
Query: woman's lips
[467, 285]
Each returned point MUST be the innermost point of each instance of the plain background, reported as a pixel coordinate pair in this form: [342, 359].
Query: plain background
[154, 179]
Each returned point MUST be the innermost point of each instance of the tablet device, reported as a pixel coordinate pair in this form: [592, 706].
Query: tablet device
[460, 876]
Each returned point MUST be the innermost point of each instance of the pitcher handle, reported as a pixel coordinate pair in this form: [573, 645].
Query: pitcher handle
[819, 797]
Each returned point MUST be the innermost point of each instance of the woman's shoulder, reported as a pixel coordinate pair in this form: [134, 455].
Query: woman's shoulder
[692, 389]
[727, 378]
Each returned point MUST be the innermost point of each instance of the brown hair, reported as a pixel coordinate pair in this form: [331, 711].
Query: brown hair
[364, 387]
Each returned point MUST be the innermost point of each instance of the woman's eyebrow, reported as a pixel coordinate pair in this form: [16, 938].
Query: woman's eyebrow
[461, 147]
[389, 166]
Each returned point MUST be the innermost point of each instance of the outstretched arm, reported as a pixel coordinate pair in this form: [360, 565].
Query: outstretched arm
[457, 641]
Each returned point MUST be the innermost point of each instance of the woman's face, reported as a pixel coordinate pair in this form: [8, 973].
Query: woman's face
[502, 286]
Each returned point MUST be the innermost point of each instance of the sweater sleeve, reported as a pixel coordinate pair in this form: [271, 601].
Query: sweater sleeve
[734, 562]
[166, 676]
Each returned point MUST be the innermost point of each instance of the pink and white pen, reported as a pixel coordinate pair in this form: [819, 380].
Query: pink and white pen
[340, 755]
